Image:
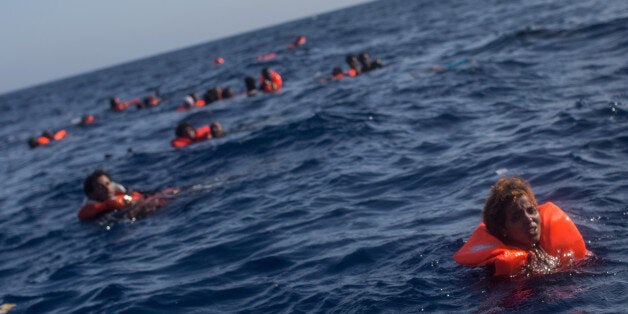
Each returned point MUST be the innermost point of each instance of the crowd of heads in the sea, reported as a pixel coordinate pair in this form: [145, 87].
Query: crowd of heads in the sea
[517, 236]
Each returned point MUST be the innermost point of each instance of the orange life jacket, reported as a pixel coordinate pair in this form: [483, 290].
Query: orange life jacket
[275, 83]
[93, 210]
[559, 238]
[89, 119]
[338, 76]
[60, 134]
[202, 133]
[352, 72]
[43, 140]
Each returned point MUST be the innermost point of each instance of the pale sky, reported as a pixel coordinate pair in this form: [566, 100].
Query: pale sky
[46, 40]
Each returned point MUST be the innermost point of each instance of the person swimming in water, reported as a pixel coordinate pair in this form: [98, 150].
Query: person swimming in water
[365, 60]
[227, 93]
[251, 89]
[212, 95]
[46, 137]
[270, 81]
[186, 134]
[518, 236]
[106, 196]
[148, 102]
[115, 104]
[298, 41]
[354, 65]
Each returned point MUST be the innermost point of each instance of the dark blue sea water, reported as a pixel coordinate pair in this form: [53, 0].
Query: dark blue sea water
[349, 196]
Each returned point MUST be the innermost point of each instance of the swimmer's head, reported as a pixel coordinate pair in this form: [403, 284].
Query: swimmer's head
[87, 119]
[365, 59]
[267, 73]
[188, 101]
[184, 129]
[98, 186]
[250, 85]
[114, 102]
[336, 71]
[217, 130]
[227, 93]
[352, 61]
[511, 213]
[32, 142]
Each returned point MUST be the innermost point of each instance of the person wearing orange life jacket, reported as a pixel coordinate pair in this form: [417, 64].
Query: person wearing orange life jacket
[190, 101]
[186, 134]
[148, 102]
[517, 236]
[87, 119]
[270, 81]
[46, 137]
[337, 74]
[104, 196]
[117, 105]
[300, 40]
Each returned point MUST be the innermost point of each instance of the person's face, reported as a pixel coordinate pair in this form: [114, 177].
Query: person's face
[217, 130]
[104, 189]
[523, 223]
[190, 133]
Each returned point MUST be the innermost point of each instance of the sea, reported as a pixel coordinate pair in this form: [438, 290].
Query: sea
[346, 196]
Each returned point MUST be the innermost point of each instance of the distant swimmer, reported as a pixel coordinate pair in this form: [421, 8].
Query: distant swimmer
[227, 93]
[270, 81]
[187, 134]
[190, 101]
[212, 95]
[117, 105]
[251, 89]
[46, 137]
[148, 102]
[105, 196]
[367, 65]
[87, 119]
[337, 74]
[518, 237]
[299, 41]
[354, 65]
[219, 60]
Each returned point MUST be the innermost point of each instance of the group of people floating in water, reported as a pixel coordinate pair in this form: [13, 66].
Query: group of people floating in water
[517, 236]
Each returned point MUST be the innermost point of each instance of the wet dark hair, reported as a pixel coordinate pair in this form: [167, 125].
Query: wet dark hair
[182, 128]
[48, 134]
[336, 71]
[504, 193]
[365, 60]
[32, 142]
[227, 93]
[89, 185]
[351, 59]
[212, 94]
[113, 102]
[250, 83]
[266, 73]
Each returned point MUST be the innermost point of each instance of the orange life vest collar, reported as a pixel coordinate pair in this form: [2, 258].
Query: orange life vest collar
[93, 210]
